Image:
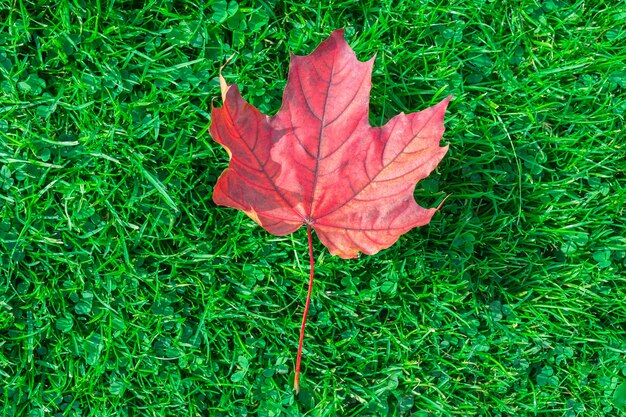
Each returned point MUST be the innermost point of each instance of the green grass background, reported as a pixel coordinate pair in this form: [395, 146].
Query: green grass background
[125, 291]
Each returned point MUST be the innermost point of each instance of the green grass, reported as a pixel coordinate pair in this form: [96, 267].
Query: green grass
[125, 291]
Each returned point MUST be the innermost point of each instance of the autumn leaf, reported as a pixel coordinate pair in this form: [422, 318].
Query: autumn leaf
[318, 162]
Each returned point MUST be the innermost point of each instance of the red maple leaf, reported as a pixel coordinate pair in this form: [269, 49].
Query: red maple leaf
[319, 163]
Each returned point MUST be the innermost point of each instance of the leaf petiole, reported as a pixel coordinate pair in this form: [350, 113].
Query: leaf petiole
[296, 380]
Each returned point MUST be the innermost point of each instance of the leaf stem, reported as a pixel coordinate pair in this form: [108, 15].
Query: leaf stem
[296, 380]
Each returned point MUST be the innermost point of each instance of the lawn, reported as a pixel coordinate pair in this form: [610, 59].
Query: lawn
[124, 290]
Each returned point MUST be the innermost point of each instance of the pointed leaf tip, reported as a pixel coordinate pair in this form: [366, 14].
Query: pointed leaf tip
[223, 87]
